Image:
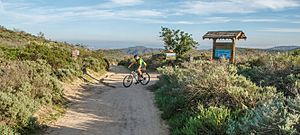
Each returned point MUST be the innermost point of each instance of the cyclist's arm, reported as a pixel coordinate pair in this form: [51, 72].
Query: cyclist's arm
[130, 64]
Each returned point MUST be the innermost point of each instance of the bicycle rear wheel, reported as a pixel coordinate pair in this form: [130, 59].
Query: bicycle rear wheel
[127, 81]
[146, 78]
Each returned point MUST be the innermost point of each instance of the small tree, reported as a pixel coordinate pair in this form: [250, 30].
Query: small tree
[178, 41]
[41, 35]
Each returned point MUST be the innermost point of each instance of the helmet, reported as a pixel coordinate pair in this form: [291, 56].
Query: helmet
[136, 56]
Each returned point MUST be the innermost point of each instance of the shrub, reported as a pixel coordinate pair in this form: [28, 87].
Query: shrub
[296, 52]
[6, 130]
[94, 64]
[56, 56]
[281, 71]
[212, 120]
[9, 53]
[26, 85]
[216, 85]
[170, 101]
[63, 74]
[272, 117]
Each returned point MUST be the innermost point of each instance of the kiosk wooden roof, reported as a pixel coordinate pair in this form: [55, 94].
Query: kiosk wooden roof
[225, 35]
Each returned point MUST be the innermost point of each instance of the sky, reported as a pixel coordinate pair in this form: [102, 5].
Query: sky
[124, 23]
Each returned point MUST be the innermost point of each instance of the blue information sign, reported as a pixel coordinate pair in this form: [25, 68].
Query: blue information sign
[219, 53]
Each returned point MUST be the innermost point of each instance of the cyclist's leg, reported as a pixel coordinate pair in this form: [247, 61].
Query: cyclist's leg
[140, 73]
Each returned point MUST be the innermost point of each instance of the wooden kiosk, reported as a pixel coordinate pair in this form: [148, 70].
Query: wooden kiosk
[224, 49]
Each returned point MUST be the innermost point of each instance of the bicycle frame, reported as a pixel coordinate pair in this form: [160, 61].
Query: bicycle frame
[134, 74]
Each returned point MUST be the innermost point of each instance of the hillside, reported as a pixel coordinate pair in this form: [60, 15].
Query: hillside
[32, 74]
[121, 54]
[141, 50]
[17, 37]
[284, 48]
[113, 54]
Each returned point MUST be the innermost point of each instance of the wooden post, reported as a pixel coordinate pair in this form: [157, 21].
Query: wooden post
[232, 59]
[214, 48]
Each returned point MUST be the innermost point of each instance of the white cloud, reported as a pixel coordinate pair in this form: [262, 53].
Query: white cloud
[139, 13]
[127, 2]
[260, 20]
[235, 6]
[210, 20]
[282, 30]
[274, 4]
[182, 22]
[204, 8]
[215, 20]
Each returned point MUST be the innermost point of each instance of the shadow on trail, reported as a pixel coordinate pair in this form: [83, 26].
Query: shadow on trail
[85, 104]
[101, 81]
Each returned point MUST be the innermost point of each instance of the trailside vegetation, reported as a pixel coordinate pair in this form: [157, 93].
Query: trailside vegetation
[259, 96]
[31, 71]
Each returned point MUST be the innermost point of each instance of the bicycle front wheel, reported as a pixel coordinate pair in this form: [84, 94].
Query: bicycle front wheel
[127, 81]
[145, 79]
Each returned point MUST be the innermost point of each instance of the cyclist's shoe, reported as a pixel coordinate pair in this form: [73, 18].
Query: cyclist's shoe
[140, 81]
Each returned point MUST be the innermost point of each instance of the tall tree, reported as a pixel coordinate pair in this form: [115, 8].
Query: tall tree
[178, 41]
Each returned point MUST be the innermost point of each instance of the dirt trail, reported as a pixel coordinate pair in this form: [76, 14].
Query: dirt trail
[104, 110]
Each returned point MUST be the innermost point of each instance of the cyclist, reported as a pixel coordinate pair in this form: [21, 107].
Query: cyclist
[140, 65]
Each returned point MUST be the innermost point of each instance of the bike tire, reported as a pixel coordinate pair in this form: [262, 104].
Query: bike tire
[146, 78]
[127, 79]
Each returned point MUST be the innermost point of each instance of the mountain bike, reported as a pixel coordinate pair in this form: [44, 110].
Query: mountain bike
[128, 79]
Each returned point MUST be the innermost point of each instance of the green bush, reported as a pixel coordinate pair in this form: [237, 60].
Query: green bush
[208, 121]
[9, 53]
[215, 85]
[272, 117]
[6, 130]
[25, 86]
[170, 101]
[296, 52]
[55, 55]
[279, 70]
[94, 64]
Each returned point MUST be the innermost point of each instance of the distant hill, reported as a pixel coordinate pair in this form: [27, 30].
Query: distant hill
[140, 50]
[119, 54]
[283, 48]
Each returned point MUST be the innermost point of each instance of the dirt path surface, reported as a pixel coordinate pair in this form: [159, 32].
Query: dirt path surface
[111, 109]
